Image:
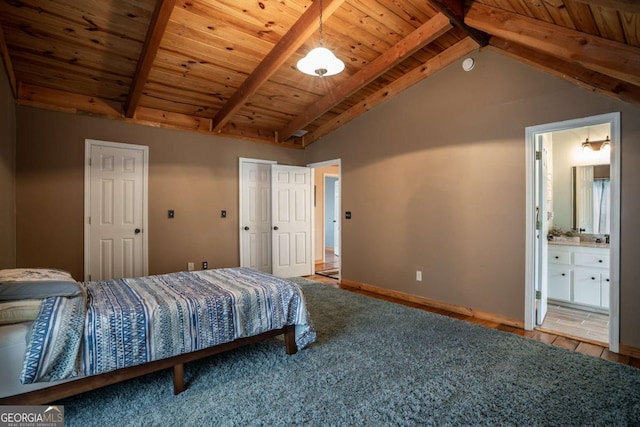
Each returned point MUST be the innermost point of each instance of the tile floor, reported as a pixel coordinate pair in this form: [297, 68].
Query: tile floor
[581, 324]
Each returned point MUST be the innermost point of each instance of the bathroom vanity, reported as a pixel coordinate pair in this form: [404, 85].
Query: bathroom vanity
[579, 274]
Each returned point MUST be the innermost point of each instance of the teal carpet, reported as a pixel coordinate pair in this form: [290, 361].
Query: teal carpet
[378, 364]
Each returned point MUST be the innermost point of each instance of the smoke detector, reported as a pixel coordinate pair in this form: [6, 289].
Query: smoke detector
[468, 64]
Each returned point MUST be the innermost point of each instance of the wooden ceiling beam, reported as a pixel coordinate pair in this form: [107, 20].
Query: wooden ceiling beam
[628, 6]
[157, 27]
[6, 58]
[595, 53]
[571, 72]
[425, 34]
[454, 10]
[430, 67]
[281, 52]
[58, 100]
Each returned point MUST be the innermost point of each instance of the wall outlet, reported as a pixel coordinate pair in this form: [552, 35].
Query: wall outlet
[418, 276]
[205, 265]
[191, 266]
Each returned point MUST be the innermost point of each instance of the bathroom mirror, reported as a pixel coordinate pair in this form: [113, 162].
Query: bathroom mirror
[591, 199]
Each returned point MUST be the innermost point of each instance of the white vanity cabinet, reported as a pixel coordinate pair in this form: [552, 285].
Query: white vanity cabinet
[579, 275]
[587, 284]
[559, 282]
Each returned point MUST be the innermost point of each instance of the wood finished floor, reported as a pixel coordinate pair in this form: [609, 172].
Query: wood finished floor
[570, 343]
[331, 261]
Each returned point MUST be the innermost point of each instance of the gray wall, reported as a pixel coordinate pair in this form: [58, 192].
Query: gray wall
[195, 175]
[7, 174]
[441, 185]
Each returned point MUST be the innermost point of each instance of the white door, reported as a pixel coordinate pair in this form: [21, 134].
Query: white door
[336, 218]
[291, 220]
[116, 243]
[255, 216]
[542, 229]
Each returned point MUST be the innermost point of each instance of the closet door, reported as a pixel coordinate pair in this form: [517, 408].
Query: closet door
[255, 216]
[116, 205]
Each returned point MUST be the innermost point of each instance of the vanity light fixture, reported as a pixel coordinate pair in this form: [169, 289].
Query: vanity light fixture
[320, 61]
[603, 145]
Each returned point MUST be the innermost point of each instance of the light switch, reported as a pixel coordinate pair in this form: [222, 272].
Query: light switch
[171, 213]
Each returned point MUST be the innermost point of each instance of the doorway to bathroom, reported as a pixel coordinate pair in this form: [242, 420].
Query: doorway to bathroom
[327, 221]
[573, 212]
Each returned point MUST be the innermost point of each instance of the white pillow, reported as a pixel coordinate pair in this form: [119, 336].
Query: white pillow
[19, 311]
[34, 275]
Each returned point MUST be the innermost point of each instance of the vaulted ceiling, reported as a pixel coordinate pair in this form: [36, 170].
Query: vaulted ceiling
[228, 67]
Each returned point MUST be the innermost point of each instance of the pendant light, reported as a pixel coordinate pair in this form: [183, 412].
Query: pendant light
[320, 61]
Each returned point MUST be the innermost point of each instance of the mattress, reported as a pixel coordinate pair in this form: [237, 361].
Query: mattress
[13, 344]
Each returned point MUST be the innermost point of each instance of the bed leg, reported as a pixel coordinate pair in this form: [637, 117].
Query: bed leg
[290, 339]
[178, 379]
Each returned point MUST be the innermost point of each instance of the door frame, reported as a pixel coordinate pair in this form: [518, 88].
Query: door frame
[241, 161]
[613, 119]
[315, 165]
[88, 145]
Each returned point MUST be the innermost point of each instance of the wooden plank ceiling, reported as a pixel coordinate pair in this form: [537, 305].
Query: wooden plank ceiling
[227, 67]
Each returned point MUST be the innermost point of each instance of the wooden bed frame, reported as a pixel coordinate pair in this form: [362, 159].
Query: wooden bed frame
[81, 385]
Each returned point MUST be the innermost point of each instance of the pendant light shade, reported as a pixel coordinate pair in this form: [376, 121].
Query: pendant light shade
[320, 62]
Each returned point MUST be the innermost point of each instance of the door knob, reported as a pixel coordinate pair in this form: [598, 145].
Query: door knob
[246, 228]
[275, 228]
[137, 231]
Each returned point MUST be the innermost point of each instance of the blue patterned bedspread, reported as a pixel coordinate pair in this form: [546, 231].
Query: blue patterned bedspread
[127, 322]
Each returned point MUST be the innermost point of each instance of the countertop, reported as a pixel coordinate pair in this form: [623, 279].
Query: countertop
[581, 244]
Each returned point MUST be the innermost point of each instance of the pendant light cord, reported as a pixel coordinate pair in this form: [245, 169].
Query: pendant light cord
[321, 44]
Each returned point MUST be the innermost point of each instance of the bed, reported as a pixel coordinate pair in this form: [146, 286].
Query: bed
[59, 337]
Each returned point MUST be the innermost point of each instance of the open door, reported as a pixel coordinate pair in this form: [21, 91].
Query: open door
[291, 221]
[336, 218]
[543, 215]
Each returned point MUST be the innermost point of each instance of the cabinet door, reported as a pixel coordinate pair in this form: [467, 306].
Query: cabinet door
[586, 286]
[559, 283]
[604, 292]
[596, 258]
[559, 256]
